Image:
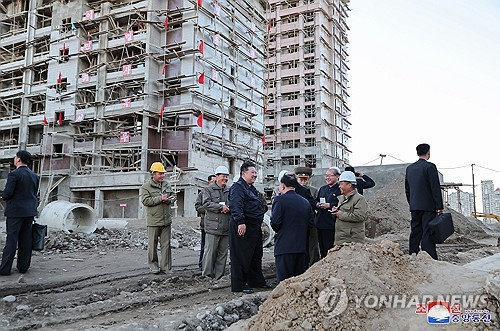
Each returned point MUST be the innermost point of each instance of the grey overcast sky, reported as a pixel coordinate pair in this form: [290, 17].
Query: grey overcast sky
[426, 71]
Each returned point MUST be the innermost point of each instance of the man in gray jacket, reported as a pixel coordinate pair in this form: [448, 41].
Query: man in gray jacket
[216, 223]
[201, 214]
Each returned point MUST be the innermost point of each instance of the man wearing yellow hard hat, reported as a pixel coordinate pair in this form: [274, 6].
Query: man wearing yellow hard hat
[157, 196]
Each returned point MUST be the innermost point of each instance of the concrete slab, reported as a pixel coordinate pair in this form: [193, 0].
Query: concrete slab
[489, 264]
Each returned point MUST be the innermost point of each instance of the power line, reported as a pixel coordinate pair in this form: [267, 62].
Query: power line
[371, 161]
[467, 165]
[486, 168]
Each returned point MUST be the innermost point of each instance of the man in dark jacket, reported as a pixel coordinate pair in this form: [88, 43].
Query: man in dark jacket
[291, 218]
[362, 181]
[423, 192]
[245, 234]
[201, 214]
[303, 176]
[217, 214]
[20, 195]
[327, 199]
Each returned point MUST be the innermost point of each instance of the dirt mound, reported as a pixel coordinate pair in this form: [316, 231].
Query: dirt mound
[344, 290]
[389, 213]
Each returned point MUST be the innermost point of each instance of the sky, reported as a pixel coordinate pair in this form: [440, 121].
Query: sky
[426, 71]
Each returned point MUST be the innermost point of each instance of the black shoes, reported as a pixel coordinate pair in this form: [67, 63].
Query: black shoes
[266, 286]
[248, 290]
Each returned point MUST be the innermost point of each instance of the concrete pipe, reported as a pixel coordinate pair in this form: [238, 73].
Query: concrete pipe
[69, 217]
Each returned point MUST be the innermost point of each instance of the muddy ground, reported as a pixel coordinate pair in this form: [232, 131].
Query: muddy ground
[102, 281]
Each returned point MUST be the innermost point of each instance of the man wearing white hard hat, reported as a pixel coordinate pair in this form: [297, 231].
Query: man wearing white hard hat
[216, 224]
[157, 196]
[351, 213]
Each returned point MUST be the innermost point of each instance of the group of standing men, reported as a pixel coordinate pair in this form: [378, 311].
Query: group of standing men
[308, 222]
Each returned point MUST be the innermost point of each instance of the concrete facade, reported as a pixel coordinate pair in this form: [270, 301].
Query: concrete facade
[307, 117]
[98, 90]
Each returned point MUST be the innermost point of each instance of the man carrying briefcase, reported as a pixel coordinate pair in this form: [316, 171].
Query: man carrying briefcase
[423, 192]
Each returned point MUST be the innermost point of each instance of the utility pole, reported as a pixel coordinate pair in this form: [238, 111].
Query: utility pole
[473, 189]
[382, 157]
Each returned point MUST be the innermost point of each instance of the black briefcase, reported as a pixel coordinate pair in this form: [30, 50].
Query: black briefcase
[441, 228]
[39, 231]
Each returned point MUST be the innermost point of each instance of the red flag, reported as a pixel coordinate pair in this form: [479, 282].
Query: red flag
[199, 121]
[64, 49]
[201, 47]
[201, 79]
[165, 24]
[60, 120]
[45, 122]
[164, 68]
[59, 78]
[268, 26]
[265, 109]
[263, 140]
[200, 2]
[161, 110]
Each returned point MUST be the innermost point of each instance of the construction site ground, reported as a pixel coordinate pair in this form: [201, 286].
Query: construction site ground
[101, 281]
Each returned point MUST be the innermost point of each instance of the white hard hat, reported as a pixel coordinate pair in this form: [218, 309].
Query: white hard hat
[348, 176]
[221, 170]
[281, 174]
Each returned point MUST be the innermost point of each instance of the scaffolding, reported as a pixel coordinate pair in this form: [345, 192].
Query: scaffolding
[99, 88]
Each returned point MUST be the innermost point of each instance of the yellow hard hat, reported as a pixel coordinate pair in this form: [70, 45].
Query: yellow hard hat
[157, 167]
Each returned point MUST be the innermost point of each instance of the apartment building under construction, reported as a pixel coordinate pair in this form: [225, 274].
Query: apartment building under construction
[307, 117]
[98, 90]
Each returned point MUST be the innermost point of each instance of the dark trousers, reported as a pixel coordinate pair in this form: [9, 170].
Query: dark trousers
[325, 240]
[18, 237]
[289, 265]
[246, 257]
[202, 249]
[312, 244]
[420, 236]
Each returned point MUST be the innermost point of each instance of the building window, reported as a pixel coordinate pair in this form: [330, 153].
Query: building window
[309, 63]
[289, 34]
[290, 4]
[310, 142]
[293, 160]
[270, 130]
[309, 111]
[310, 96]
[286, 112]
[310, 161]
[287, 144]
[290, 64]
[290, 80]
[66, 25]
[308, 17]
[293, 127]
[309, 47]
[291, 19]
[292, 49]
[270, 146]
[309, 128]
[290, 96]
[309, 79]
[309, 31]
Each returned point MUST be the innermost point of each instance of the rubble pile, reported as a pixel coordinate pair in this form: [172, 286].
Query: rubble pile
[102, 238]
[224, 314]
[332, 294]
[60, 242]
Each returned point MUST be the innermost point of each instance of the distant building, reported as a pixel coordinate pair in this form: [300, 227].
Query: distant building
[462, 202]
[488, 194]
